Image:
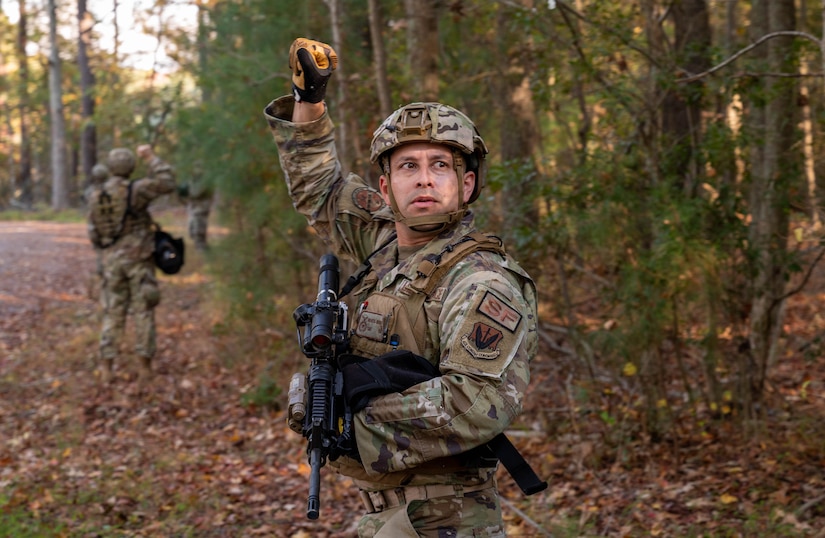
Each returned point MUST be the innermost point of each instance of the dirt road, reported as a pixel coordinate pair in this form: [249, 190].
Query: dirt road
[42, 265]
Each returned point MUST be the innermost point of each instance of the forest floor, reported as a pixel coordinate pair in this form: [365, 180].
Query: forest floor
[192, 454]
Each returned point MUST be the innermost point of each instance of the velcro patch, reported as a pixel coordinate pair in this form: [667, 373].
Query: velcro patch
[482, 342]
[371, 325]
[500, 312]
[367, 199]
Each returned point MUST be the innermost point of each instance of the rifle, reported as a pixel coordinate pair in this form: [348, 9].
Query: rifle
[327, 421]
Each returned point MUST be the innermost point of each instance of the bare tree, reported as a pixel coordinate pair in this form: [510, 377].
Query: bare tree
[422, 47]
[60, 183]
[772, 124]
[682, 107]
[88, 136]
[382, 85]
[342, 137]
[518, 134]
[23, 195]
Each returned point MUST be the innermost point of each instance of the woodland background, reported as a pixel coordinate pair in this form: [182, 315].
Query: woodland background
[654, 165]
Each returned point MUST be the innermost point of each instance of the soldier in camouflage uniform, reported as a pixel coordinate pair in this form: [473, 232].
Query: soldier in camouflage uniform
[477, 321]
[120, 226]
[198, 195]
[99, 175]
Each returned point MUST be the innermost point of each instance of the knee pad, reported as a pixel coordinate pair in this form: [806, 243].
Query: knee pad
[150, 293]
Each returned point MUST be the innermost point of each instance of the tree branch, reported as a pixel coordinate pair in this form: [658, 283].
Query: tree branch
[761, 40]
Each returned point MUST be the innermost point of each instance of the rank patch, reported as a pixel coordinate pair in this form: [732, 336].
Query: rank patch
[482, 342]
[500, 312]
[367, 199]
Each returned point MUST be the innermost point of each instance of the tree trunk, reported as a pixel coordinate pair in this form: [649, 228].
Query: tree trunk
[682, 108]
[808, 125]
[60, 191]
[520, 144]
[773, 162]
[23, 195]
[382, 84]
[88, 135]
[342, 138]
[422, 47]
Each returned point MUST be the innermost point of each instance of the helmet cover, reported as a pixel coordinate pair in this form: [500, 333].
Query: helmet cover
[121, 162]
[435, 123]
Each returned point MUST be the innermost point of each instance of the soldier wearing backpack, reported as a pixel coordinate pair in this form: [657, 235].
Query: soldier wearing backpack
[120, 226]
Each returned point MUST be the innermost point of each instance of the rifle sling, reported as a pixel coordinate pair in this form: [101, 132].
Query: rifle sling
[516, 465]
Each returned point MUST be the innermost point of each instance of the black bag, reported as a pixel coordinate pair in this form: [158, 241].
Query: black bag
[168, 252]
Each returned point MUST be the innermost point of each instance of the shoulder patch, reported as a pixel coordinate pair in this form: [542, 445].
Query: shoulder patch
[483, 335]
[500, 312]
[367, 199]
[482, 341]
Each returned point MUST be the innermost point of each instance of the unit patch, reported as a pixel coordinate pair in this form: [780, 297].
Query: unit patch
[500, 312]
[482, 342]
[371, 325]
[367, 199]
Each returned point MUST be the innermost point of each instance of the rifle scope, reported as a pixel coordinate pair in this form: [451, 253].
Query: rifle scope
[323, 320]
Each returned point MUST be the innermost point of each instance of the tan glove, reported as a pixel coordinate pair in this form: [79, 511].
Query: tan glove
[312, 63]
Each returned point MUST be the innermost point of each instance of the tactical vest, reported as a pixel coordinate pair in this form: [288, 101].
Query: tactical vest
[109, 205]
[393, 319]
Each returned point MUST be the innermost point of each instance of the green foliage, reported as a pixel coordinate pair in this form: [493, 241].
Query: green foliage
[266, 393]
[15, 520]
[44, 213]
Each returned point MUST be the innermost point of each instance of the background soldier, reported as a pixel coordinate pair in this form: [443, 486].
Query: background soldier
[120, 226]
[99, 175]
[474, 317]
[198, 195]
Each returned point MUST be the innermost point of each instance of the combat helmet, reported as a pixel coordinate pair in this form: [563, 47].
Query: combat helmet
[438, 124]
[100, 173]
[121, 162]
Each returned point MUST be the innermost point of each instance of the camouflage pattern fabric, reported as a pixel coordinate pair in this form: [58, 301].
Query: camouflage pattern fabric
[128, 283]
[129, 280]
[414, 123]
[478, 326]
[198, 219]
[475, 515]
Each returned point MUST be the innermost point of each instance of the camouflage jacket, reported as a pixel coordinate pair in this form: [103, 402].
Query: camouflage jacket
[136, 240]
[478, 325]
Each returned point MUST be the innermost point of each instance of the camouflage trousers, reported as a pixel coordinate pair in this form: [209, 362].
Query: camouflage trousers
[128, 285]
[474, 515]
[198, 216]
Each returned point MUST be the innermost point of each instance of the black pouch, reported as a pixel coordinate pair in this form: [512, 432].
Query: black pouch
[168, 252]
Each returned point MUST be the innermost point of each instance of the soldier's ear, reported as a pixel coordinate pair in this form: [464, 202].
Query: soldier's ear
[384, 187]
[469, 185]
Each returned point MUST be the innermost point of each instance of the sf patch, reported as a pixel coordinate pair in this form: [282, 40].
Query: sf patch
[367, 199]
[500, 312]
[486, 335]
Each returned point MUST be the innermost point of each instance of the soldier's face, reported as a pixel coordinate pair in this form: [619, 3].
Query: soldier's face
[424, 180]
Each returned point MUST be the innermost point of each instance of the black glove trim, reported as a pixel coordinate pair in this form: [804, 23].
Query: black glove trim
[315, 80]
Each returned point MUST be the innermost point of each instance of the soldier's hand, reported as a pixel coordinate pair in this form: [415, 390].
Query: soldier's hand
[312, 63]
[145, 152]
